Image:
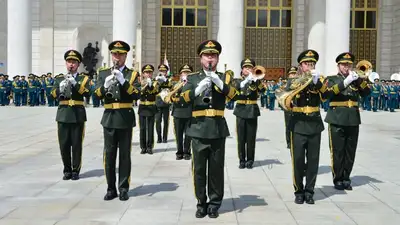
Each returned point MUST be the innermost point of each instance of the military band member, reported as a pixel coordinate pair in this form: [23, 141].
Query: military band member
[118, 86]
[71, 114]
[306, 127]
[375, 93]
[292, 73]
[343, 117]
[207, 90]
[182, 112]
[147, 110]
[165, 84]
[246, 112]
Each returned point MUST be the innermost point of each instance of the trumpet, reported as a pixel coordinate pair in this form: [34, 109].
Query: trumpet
[259, 73]
[113, 90]
[207, 93]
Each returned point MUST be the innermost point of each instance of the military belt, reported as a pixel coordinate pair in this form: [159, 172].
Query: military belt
[147, 103]
[348, 104]
[208, 113]
[306, 109]
[71, 102]
[117, 105]
[392, 92]
[247, 102]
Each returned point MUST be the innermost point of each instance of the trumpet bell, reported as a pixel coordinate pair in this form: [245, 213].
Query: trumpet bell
[259, 72]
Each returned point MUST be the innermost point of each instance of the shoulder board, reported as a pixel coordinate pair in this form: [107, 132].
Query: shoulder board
[103, 68]
[58, 76]
[194, 73]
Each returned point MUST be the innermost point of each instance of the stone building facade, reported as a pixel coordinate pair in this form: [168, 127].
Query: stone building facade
[273, 32]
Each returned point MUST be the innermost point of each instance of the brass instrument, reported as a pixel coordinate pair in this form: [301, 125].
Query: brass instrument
[364, 69]
[177, 87]
[113, 90]
[259, 72]
[67, 92]
[285, 96]
[208, 92]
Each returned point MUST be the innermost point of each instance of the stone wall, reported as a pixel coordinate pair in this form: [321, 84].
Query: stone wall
[395, 47]
[3, 35]
[151, 33]
[385, 38]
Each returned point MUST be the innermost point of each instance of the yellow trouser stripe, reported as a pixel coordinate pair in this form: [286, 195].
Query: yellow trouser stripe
[293, 160]
[331, 150]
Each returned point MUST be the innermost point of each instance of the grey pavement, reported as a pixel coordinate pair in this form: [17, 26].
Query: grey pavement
[32, 190]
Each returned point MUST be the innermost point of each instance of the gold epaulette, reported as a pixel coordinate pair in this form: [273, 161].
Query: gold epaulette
[193, 73]
[102, 69]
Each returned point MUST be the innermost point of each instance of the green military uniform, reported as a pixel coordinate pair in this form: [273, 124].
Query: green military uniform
[343, 117]
[71, 118]
[182, 112]
[208, 129]
[147, 110]
[117, 121]
[306, 126]
[163, 108]
[292, 72]
[246, 112]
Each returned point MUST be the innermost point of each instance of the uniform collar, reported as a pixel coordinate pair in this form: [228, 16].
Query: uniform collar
[122, 68]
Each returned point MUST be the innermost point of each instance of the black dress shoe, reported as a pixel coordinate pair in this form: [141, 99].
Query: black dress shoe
[201, 213]
[187, 157]
[165, 141]
[110, 195]
[309, 200]
[143, 151]
[150, 151]
[347, 186]
[75, 176]
[123, 196]
[67, 176]
[249, 165]
[299, 199]
[242, 165]
[213, 213]
[339, 186]
[179, 157]
[159, 140]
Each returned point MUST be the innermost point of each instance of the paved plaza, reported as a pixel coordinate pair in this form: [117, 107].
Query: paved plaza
[32, 191]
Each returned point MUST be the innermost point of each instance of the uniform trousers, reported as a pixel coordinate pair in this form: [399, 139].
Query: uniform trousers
[182, 140]
[146, 124]
[162, 115]
[246, 137]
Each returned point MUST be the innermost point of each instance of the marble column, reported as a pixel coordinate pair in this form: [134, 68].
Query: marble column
[124, 24]
[19, 37]
[46, 36]
[316, 30]
[230, 34]
[337, 32]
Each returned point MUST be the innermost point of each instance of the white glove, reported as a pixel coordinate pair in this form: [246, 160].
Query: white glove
[355, 75]
[206, 82]
[248, 79]
[216, 80]
[108, 81]
[149, 82]
[350, 78]
[72, 80]
[315, 76]
[119, 76]
[63, 84]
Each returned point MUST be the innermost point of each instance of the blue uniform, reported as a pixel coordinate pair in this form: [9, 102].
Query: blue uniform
[375, 93]
[95, 99]
[17, 90]
[272, 96]
[24, 92]
[393, 97]
[2, 92]
[49, 83]
[32, 92]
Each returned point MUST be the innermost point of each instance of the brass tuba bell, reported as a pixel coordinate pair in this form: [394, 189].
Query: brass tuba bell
[259, 72]
[364, 69]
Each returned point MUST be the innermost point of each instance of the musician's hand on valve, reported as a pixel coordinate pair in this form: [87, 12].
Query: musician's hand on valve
[108, 81]
[217, 80]
[63, 85]
[72, 80]
[315, 76]
[119, 76]
[354, 74]
[149, 82]
[350, 78]
[202, 86]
